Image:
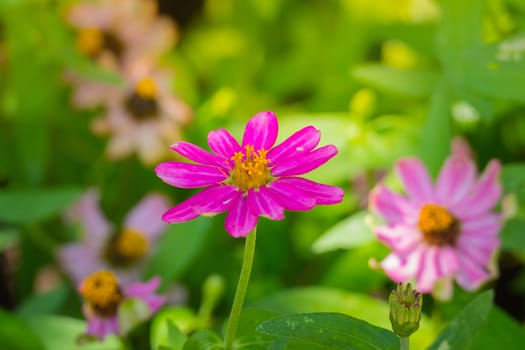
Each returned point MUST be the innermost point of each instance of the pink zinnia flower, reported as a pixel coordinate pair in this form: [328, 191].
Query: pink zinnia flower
[103, 296]
[251, 179]
[103, 247]
[143, 115]
[442, 232]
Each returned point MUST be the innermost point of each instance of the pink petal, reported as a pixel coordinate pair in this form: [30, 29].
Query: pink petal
[455, 179]
[186, 175]
[304, 163]
[428, 272]
[484, 226]
[323, 194]
[392, 207]
[220, 199]
[142, 289]
[222, 143]
[402, 269]
[262, 203]
[239, 220]
[470, 276]
[261, 131]
[448, 262]
[485, 193]
[197, 154]
[402, 239]
[478, 249]
[290, 197]
[416, 181]
[145, 216]
[302, 141]
[69, 256]
[102, 327]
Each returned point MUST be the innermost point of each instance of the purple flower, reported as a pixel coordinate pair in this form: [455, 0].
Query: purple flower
[103, 296]
[442, 232]
[250, 179]
[103, 247]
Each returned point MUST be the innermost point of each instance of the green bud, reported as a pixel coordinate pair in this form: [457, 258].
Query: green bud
[405, 309]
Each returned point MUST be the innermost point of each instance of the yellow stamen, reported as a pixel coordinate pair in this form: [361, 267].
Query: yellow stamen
[90, 41]
[438, 226]
[146, 88]
[251, 168]
[102, 292]
[128, 246]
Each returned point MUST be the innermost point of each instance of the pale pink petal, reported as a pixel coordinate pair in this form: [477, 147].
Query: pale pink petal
[79, 260]
[304, 163]
[448, 263]
[289, 197]
[223, 144]
[485, 193]
[302, 141]
[323, 194]
[145, 291]
[187, 175]
[392, 207]
[239, 220]
[484, 226]
[461, 147]
[145, 216]
[91, 15]
[150, 147]
[470, 276]
[197, 154]
[478, 249]
[402, 269]
[261, 131]
[428, 272]
[402, 239]
[455, 180]
[103, 326]
[416, 181]
[121, 145]
[262, 203]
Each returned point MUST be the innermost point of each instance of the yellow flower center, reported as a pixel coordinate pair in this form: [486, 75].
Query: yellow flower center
[251, 168]
[127, 247]
[92, 41]
[142, 103]
[102, 292]
[438, 226]
[146, 88]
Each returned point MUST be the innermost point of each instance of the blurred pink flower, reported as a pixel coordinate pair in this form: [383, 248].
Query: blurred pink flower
[102, 247]
[103, 296]
[250, 180]
[442, 232]
[143, 116]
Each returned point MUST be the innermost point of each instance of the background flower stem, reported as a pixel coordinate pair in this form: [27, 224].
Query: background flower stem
[404, 343]
[242, 286]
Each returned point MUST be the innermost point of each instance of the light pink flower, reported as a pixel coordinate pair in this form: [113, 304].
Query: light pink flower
[143, 116]
[251, 179]
[440, 232]
[103, 296]
[102, 247]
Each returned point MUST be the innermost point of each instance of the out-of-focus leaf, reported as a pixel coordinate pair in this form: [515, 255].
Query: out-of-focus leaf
[406, 82]
[322, 299]
[347, 233]
[30, 205]
[248, 337]
[45, 303]
[437, 131]
[162, 332]
[177, 248]
[16, 335]
[513, 180]
[204, 340]
[58, 332]
[461, 332]
[8, 236]
[131, 313]
[331, 331]
[513, 235]
[499, 332]
[167, 336]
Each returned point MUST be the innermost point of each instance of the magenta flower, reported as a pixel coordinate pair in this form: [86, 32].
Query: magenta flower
[251, 179]
[103, 296]
[103, 247]
[442, 232]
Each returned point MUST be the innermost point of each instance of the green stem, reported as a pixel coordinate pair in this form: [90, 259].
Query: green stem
[242, 286]
[404, 343]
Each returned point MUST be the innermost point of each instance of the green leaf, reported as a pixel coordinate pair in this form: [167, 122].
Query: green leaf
[347, 233]
[499, 332]
[57, 332]
[31, 205]
[177, 248]
[45, 303]
[131, 313]
[323, 299]
[512, 235]
[416, 83]
[462, 330]
[170, 324]
[16, 335]
[247, 335]
[204, 340]
[8, 237]
[331, 331]
[170, 338]
[513, 179]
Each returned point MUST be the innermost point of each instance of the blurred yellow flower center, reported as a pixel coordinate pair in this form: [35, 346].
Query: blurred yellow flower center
[438, 226]
[251, 168]
[102, 292]
[92, 41]
[146, 88]
[127, 247]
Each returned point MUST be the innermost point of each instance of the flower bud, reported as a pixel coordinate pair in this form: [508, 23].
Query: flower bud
[405, 309]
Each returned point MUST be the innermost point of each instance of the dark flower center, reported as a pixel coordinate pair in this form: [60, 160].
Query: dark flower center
[142, 102]
[126, 248]
[102, 292]
[438, 226]
[92, 42]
